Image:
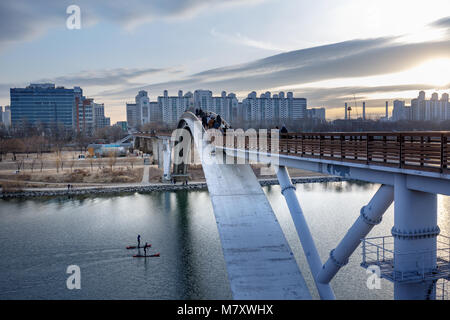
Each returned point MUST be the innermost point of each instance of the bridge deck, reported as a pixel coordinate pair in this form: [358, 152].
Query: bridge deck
[420, 151]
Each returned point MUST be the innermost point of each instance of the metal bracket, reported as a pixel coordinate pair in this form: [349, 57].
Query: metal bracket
[367, 219]
[416, 234]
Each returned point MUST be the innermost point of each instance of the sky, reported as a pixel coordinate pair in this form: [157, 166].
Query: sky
[328, 51]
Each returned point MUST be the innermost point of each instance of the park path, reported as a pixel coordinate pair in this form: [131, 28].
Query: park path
[145, 177]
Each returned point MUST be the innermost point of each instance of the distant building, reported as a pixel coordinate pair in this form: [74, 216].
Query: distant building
[155, 112]
[225, 105]
[132, 116]
[5, 116]
[123, 125]
[316, 113]
[400, 112]
[43, 104]
[142, 107]
[276, 107]
[172, 107]
[430, 110]
[99, 116]
[86, 120]
[91, 116]
[168, 109]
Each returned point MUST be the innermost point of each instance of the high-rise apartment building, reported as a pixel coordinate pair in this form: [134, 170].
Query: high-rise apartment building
[430, 110]
[273, 108]
[172, 107]
[168, 109]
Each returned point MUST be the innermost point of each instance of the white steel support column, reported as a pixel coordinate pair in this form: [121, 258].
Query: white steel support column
[415, 231]
[167, 158]
[306, 239]
[370, 216]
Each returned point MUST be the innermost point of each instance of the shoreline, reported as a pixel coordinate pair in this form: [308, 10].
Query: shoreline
[148, 188]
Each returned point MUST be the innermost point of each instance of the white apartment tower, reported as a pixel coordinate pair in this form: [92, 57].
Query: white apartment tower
[273, 108]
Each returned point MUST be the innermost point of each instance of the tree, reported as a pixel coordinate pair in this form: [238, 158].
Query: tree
[58, 161]
[14, 146]
[32, 164]
[91, 162]
[132, 160]
[71, 164]
[110, 134]
[111, 159]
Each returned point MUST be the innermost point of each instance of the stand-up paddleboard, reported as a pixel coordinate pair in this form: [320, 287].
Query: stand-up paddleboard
[136, 247]
[149, 256]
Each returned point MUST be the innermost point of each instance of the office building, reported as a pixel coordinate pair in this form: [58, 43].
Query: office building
[43, 104]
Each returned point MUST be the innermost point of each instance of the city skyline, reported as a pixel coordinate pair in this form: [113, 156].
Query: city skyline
[396, 50]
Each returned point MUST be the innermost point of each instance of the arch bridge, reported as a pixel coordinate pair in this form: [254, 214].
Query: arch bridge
[411, 167]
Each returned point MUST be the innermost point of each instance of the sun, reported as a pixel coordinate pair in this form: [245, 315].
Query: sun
[435, 72]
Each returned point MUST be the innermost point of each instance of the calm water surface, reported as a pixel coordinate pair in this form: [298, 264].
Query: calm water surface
[40, 238]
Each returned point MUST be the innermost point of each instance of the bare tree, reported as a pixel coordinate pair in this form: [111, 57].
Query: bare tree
[58, 161]
[112, 159]
[71, 164]
[32, 164]
[91, 162]
[132, 160]
[99, 164]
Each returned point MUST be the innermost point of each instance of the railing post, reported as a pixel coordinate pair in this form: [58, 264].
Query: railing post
[400, 155]
[442, 152]
[320, 145]
[367, 148]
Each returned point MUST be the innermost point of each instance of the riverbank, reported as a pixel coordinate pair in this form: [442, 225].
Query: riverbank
[145, 188]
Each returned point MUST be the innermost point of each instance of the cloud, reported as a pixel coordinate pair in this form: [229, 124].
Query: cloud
[442, 23]
[246, 41]
[26, 19]
[350, 59]
[119, 76]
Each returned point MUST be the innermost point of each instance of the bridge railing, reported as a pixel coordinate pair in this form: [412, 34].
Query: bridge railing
[427, 151]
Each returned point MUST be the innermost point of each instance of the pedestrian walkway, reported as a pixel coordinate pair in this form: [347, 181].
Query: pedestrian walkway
[145, 177]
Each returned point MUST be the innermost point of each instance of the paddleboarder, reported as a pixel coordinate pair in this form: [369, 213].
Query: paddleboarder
[139, 240]
[145, 249]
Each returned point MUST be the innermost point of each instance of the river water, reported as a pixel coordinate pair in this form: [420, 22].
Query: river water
[40, 238]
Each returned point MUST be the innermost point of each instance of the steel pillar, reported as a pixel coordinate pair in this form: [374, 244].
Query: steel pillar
[415, 231]
[370, 216]
[167, 158]
[306, 239]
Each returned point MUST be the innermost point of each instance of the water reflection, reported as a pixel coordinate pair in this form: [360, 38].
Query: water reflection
[40, 237]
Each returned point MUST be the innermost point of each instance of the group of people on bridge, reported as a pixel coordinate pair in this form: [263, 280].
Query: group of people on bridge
[211, 121]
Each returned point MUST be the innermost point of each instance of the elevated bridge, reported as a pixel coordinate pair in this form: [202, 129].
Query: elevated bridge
[412, 168]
